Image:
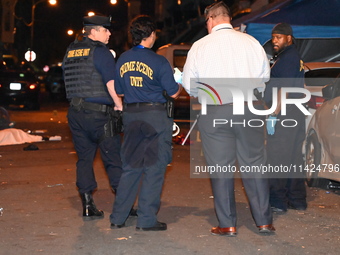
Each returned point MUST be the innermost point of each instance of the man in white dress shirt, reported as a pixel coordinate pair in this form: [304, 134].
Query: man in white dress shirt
[224, 65]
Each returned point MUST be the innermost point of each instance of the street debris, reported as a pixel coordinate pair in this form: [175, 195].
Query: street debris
[51, 186]
[122, 238]
[31, 147]
[55, 138]
[1, 211]
[40, 131]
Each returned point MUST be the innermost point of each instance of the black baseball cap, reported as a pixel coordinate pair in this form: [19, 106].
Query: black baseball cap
[97, 21]
[283, 29]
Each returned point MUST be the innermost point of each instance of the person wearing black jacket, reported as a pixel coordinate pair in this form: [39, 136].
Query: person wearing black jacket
[89, 80]
[284, 144]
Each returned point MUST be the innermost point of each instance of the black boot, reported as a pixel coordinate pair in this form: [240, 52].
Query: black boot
[90, 211]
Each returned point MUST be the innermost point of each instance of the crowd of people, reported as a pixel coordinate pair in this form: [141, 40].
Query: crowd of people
[135, 94]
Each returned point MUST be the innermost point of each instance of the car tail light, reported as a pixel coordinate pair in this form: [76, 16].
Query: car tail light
[315, 102]
[32, 86]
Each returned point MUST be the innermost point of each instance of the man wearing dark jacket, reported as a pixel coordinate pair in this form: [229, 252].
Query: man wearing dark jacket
[89, 79]
[284, 144]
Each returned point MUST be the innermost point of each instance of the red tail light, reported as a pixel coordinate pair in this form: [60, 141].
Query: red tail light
[315, 102]
[32, 86]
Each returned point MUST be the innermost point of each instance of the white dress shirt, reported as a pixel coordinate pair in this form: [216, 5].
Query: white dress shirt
[225, 58]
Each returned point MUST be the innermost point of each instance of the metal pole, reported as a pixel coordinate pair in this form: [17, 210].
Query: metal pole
[33, 20]
[192, 127]
[32, 24]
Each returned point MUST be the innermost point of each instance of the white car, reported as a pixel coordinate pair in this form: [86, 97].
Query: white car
[322, 144]
[317, 76]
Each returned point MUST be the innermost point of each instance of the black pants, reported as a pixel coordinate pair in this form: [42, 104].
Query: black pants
[146, 152]
[284, 149]
[87, 129]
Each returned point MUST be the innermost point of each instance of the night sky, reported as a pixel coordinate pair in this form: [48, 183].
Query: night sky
[52, 23]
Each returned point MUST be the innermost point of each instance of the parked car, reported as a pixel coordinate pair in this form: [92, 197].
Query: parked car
[176, 54]
[9, 61]
[317, 76]
[322, 143]
[19, 88]
[54, 82]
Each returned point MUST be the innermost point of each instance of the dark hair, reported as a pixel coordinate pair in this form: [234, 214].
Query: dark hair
[218, 8]
[141, 27]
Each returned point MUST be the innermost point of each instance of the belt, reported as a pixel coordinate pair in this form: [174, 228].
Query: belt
[96, 107]
[144, 104]
[92, 106]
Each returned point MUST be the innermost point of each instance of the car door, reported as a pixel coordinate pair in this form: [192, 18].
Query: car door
[334, 112]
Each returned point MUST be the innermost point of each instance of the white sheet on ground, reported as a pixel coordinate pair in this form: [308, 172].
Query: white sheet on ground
[17, 136]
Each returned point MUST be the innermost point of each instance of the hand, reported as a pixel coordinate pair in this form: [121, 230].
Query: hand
[118, 108]
[271, 122]
[178, 75]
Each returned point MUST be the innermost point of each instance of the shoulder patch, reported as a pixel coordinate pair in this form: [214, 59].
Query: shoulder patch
[301, 65]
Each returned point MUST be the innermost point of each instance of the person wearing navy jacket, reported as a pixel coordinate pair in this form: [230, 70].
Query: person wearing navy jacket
[89, 83]
[284, 144]
[143, 76]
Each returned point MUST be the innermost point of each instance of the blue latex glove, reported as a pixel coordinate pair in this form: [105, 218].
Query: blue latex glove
[178, 75]
[271, 122]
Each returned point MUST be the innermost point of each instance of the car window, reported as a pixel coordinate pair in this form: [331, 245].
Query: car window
[179, 58]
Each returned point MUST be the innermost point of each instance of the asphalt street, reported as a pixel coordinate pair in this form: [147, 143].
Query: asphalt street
[41, 209]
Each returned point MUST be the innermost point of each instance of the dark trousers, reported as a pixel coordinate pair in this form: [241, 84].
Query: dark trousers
[223, 145]
[87, 128]
[284, 148]
[146, 152]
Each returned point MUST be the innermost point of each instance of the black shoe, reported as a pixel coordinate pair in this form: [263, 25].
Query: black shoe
[297, 207]
[115, 226]
[90, 211]
[133, 212]
[278, 210]
[159, 226]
